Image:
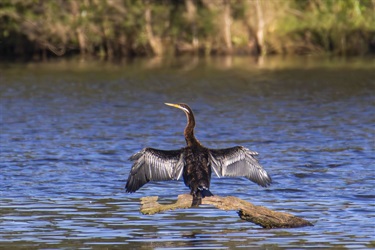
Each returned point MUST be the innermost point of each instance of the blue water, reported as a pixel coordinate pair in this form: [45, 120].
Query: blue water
[68, 128]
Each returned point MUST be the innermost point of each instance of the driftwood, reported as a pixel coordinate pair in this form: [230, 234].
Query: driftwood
[259, 215]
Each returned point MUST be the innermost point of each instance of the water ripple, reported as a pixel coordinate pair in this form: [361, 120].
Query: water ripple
[65, 141]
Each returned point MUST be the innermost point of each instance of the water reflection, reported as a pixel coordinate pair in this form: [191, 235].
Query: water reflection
[68, 128]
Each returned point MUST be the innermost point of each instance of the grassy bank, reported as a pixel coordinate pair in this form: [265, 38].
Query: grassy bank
[124, 28]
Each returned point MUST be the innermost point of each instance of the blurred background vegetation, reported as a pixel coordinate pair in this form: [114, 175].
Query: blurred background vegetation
[39, 29]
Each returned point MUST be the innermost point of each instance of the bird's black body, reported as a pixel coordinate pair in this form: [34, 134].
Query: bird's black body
[197, 173]
[194, 163]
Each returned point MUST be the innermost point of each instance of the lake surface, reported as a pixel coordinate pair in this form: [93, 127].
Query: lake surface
[68, 128]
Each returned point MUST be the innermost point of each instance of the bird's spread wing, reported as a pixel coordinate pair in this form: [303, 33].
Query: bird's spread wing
[154, 165]
[238, 161]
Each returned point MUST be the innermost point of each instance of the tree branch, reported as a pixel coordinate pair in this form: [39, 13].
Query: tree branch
[259, 215]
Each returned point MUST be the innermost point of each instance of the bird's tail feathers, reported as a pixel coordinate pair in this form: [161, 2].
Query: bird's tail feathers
[205, 192]
[199, 194]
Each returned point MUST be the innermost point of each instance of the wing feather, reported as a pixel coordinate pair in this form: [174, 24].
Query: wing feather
[238, 161]
[154, 165]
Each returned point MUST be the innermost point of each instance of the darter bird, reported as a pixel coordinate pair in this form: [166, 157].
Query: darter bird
[194, 163]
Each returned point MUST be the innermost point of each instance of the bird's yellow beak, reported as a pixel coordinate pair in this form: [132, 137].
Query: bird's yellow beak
[173, 105]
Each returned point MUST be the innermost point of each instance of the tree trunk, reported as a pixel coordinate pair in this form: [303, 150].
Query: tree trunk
[79, 32]
[227, 24]
[191, 17]
[154, 42]
[260, 31]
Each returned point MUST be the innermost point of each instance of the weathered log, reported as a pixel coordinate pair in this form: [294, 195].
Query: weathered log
[259, 215]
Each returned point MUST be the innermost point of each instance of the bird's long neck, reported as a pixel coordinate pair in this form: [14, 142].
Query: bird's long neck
[189, 131]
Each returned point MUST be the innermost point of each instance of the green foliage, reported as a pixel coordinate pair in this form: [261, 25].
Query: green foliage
[119, 27]
[340, 27]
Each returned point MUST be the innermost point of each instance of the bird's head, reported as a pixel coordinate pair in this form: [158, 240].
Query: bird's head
[189, 115]
[189, 129]
[184, 107]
